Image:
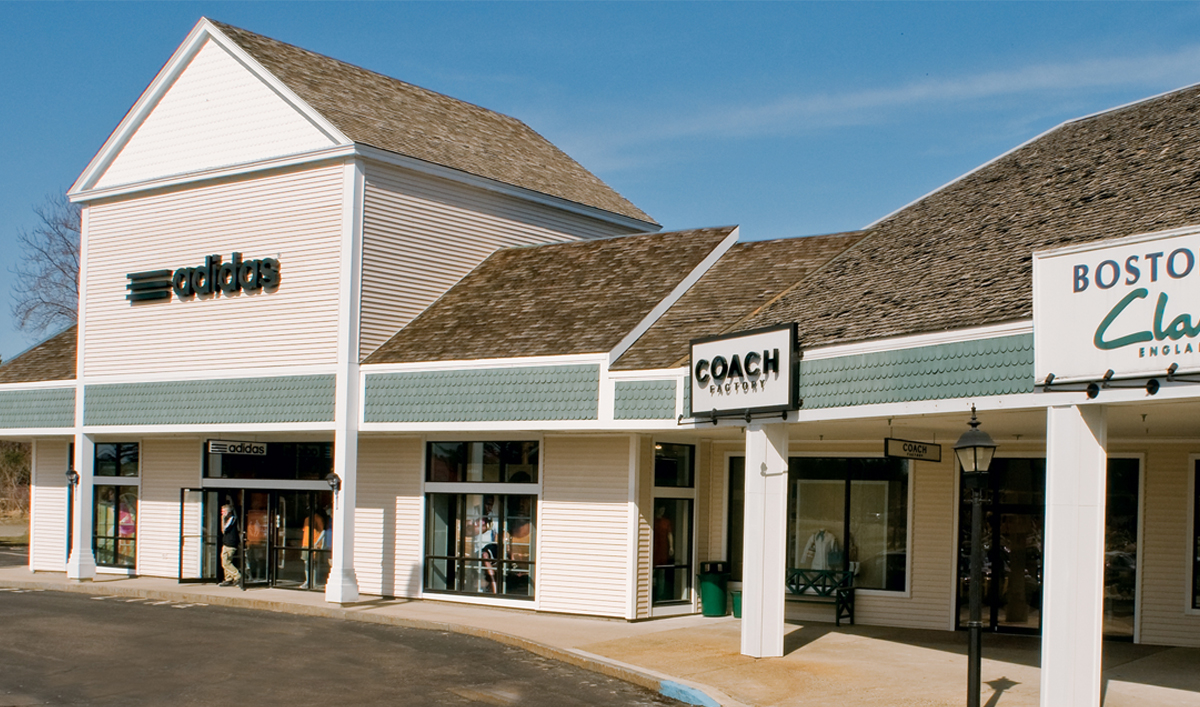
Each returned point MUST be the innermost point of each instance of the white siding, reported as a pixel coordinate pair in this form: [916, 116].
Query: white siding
[387, 517]
[582, 547]
[645, 539]
[48, 521]
[294, 216]
[215, 114]
[422, 234]
[167, 465]
[1163, 558]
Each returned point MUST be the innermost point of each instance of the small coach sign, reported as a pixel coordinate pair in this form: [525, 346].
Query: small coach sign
[908, 449]
[746, 372]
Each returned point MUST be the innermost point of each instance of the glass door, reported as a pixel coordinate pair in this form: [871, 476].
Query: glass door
[199, 526]
[301, 539]
[256, 535]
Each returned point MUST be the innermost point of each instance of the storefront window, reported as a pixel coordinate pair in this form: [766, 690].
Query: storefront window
[481, 544]
[117, 459]
[672, 550]
[115, 533]
[115, 504]
[673, 465]
[1196, 539]
[483, 462]
[850, 514]
[302, 461]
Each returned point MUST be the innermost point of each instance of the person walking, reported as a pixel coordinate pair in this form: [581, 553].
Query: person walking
[230, 539]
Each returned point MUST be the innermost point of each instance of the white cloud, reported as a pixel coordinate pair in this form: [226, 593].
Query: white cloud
[615, 142]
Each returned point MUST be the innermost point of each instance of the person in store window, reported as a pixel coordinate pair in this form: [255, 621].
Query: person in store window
[230, 538]
[487, 546]
[315, 537]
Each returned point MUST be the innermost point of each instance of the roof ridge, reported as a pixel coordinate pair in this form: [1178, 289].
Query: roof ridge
[1026, 143]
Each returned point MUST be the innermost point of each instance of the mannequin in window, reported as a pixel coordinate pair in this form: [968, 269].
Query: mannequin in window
[822, 550]
[664, 554]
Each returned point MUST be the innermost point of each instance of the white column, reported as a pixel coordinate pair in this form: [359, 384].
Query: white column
[763, 555]
[81, 564]
[1073, 591]
[342, 586]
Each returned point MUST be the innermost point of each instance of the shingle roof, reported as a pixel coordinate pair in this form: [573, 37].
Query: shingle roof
[51, 360]
[961, 257]
[745, 279]
[373, 109]
[555, 299]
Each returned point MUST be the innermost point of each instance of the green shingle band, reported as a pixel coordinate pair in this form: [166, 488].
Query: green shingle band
[543, 393]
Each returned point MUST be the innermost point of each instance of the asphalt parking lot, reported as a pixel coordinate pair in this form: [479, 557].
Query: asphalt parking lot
[76, 649]
[13, 555]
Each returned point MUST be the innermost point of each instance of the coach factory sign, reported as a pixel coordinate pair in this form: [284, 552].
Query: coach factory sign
[746, 372]
[1131, 306]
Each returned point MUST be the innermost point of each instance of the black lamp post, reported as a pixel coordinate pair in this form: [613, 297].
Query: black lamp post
[974, 450]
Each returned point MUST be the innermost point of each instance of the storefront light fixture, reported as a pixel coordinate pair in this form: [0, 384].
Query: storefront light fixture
[72, 477]
[975, 450]
[334, 481]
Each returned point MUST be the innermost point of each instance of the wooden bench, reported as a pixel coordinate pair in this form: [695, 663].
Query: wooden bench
[824, 587]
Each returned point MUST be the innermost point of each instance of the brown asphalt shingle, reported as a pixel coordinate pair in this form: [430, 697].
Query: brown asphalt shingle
[961, 257]
[555, 299]
[745, 279]
[51, 360]
[376, 110]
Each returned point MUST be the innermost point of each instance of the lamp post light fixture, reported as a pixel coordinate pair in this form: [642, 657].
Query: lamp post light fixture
[975, 450]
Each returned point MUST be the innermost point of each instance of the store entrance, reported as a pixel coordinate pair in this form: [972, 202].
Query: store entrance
[285, 536]
[1014, 522]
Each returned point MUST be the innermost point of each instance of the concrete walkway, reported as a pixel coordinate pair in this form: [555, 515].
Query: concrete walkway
[697, 659]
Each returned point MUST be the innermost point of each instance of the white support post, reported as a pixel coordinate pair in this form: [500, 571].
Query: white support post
[342, 587]
[764, 558]
[81, 565]
[1073, 591]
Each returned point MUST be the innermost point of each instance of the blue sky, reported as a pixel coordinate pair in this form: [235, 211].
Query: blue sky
[786, 118]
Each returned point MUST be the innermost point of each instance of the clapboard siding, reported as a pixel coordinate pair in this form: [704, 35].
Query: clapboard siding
[294, 216]
[582, 554]
[387, 517]
[167, 465]
[48, 506]
[1163, 558]
[422, 234]
[215, 114]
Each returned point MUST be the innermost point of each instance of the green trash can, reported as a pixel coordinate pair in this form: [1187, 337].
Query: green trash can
[712, 579]
[737, 604]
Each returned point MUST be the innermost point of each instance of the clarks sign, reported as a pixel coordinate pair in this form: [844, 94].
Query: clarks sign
[1131, 306]
[742, 373]
[213, 277]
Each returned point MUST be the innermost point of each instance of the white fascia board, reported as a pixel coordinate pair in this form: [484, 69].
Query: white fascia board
[38, 385]
[22, 434]
[397, 160]
[314, 157]
[148, 101]
[562, 426]
[210, 429]
[474, 364]
[649, 374]
[898, 343]
[200, 374]
[670, 300]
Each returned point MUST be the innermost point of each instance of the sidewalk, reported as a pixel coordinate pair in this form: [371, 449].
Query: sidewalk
[697, 659]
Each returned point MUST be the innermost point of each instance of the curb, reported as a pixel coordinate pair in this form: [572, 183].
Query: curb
[661, 684]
